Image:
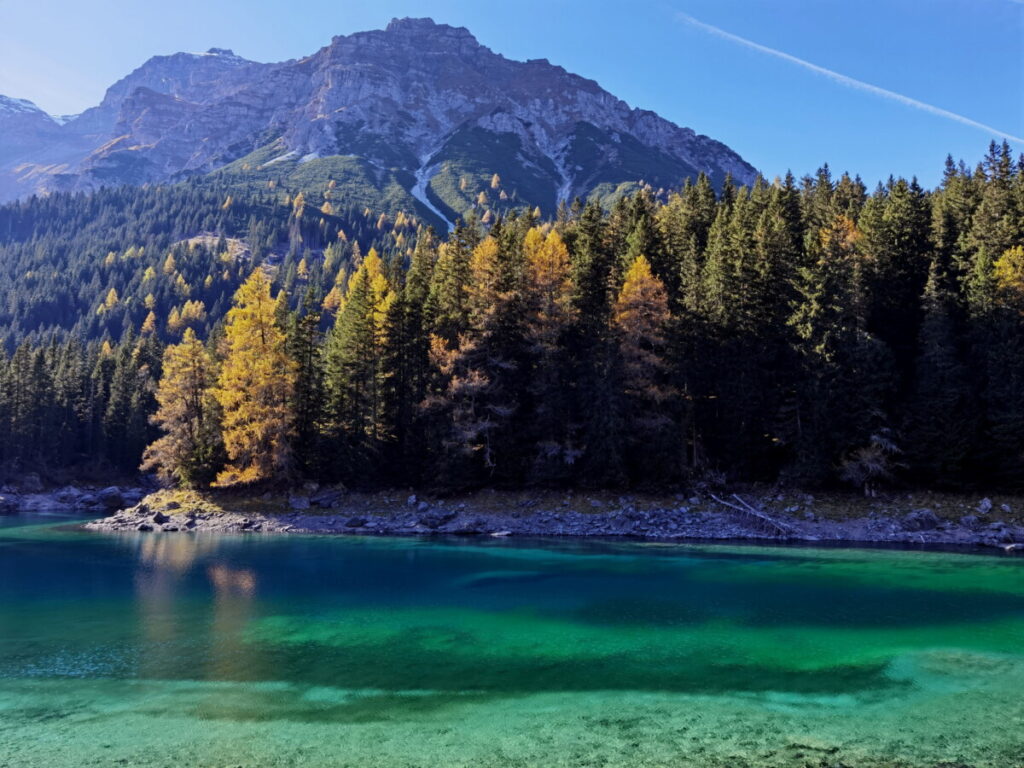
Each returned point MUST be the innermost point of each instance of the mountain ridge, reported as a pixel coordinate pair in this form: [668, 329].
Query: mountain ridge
[419, 105]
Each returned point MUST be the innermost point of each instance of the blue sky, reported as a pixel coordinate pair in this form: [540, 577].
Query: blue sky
[964, 57]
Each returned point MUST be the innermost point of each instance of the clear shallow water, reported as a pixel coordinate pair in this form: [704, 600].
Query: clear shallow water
[217, 651]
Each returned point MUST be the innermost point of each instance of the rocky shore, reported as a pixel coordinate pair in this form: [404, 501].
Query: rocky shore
[700, 517]
[29, 495]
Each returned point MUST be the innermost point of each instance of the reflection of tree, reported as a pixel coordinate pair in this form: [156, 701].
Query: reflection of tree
[163, 562]
[174, 553]
[234, 592]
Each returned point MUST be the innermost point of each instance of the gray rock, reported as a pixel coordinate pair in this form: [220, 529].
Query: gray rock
[437, 519]
[160, 518]
[984, 506]
[355, 522]
[133, 496]
[111, 497]
[422, 506]
[969, 521]
[411, 501]
[920, 520]
[298, 502]
[85, 501]
[471, 527]
[144, 527]
[68, 495]
[327, 498]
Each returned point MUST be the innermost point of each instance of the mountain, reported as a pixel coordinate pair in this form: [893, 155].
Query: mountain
[417, 117]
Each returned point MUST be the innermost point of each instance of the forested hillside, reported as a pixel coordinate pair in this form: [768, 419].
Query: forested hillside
[812, 332]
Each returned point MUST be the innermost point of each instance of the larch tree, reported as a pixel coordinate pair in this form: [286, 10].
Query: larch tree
[255, 388]
[190, 447]
[640, 318]
[549, 315]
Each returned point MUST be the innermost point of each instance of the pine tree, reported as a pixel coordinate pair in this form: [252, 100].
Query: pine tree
[356, 378]
[304, 344]
[941, 426]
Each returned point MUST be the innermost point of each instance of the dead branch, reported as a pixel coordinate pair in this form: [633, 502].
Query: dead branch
[780, 529]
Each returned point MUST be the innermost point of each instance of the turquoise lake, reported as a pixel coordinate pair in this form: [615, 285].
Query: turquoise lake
[180, 650]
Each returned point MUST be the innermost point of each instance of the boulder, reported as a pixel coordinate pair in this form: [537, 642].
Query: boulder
[111, 498]
[920, 520]
[298, 502]
[471, 527]
[133, 496]
[437, 519]
[68, 495]
[160, 518]
[327, 498]
[984, 506]
[969, 521]
[355, 522]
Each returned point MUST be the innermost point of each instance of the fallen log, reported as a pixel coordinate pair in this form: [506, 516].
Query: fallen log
[779, 529]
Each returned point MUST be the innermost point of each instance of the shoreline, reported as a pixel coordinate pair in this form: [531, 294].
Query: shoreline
[704, 518]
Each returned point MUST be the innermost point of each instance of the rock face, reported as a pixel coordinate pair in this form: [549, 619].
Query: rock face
[418, 105]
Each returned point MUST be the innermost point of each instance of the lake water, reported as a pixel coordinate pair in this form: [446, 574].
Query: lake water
[146, 650]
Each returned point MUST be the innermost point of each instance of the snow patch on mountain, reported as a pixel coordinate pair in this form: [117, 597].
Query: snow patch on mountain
[9, 105]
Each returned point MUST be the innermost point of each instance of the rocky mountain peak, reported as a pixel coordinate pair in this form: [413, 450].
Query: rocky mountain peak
[426, 28]
[420, 109]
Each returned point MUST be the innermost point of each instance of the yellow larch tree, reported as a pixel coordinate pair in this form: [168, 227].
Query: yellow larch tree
[640, 318]
[547, 284]
[254, 388]
[186, 415]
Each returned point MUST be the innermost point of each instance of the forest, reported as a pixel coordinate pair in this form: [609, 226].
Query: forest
[808, 332]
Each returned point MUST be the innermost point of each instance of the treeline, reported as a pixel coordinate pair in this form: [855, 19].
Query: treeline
[71, 407]
[807, 332]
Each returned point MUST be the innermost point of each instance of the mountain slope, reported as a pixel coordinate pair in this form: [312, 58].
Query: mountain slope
[434, 121]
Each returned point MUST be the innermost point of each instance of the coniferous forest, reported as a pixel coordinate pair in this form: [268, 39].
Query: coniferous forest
[810, 332]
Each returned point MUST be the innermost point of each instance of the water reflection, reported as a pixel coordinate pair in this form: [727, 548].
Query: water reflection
[176, 554]
[234, 589]
[171, 609]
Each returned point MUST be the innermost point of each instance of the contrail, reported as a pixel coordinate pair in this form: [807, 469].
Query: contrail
[859, 85]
